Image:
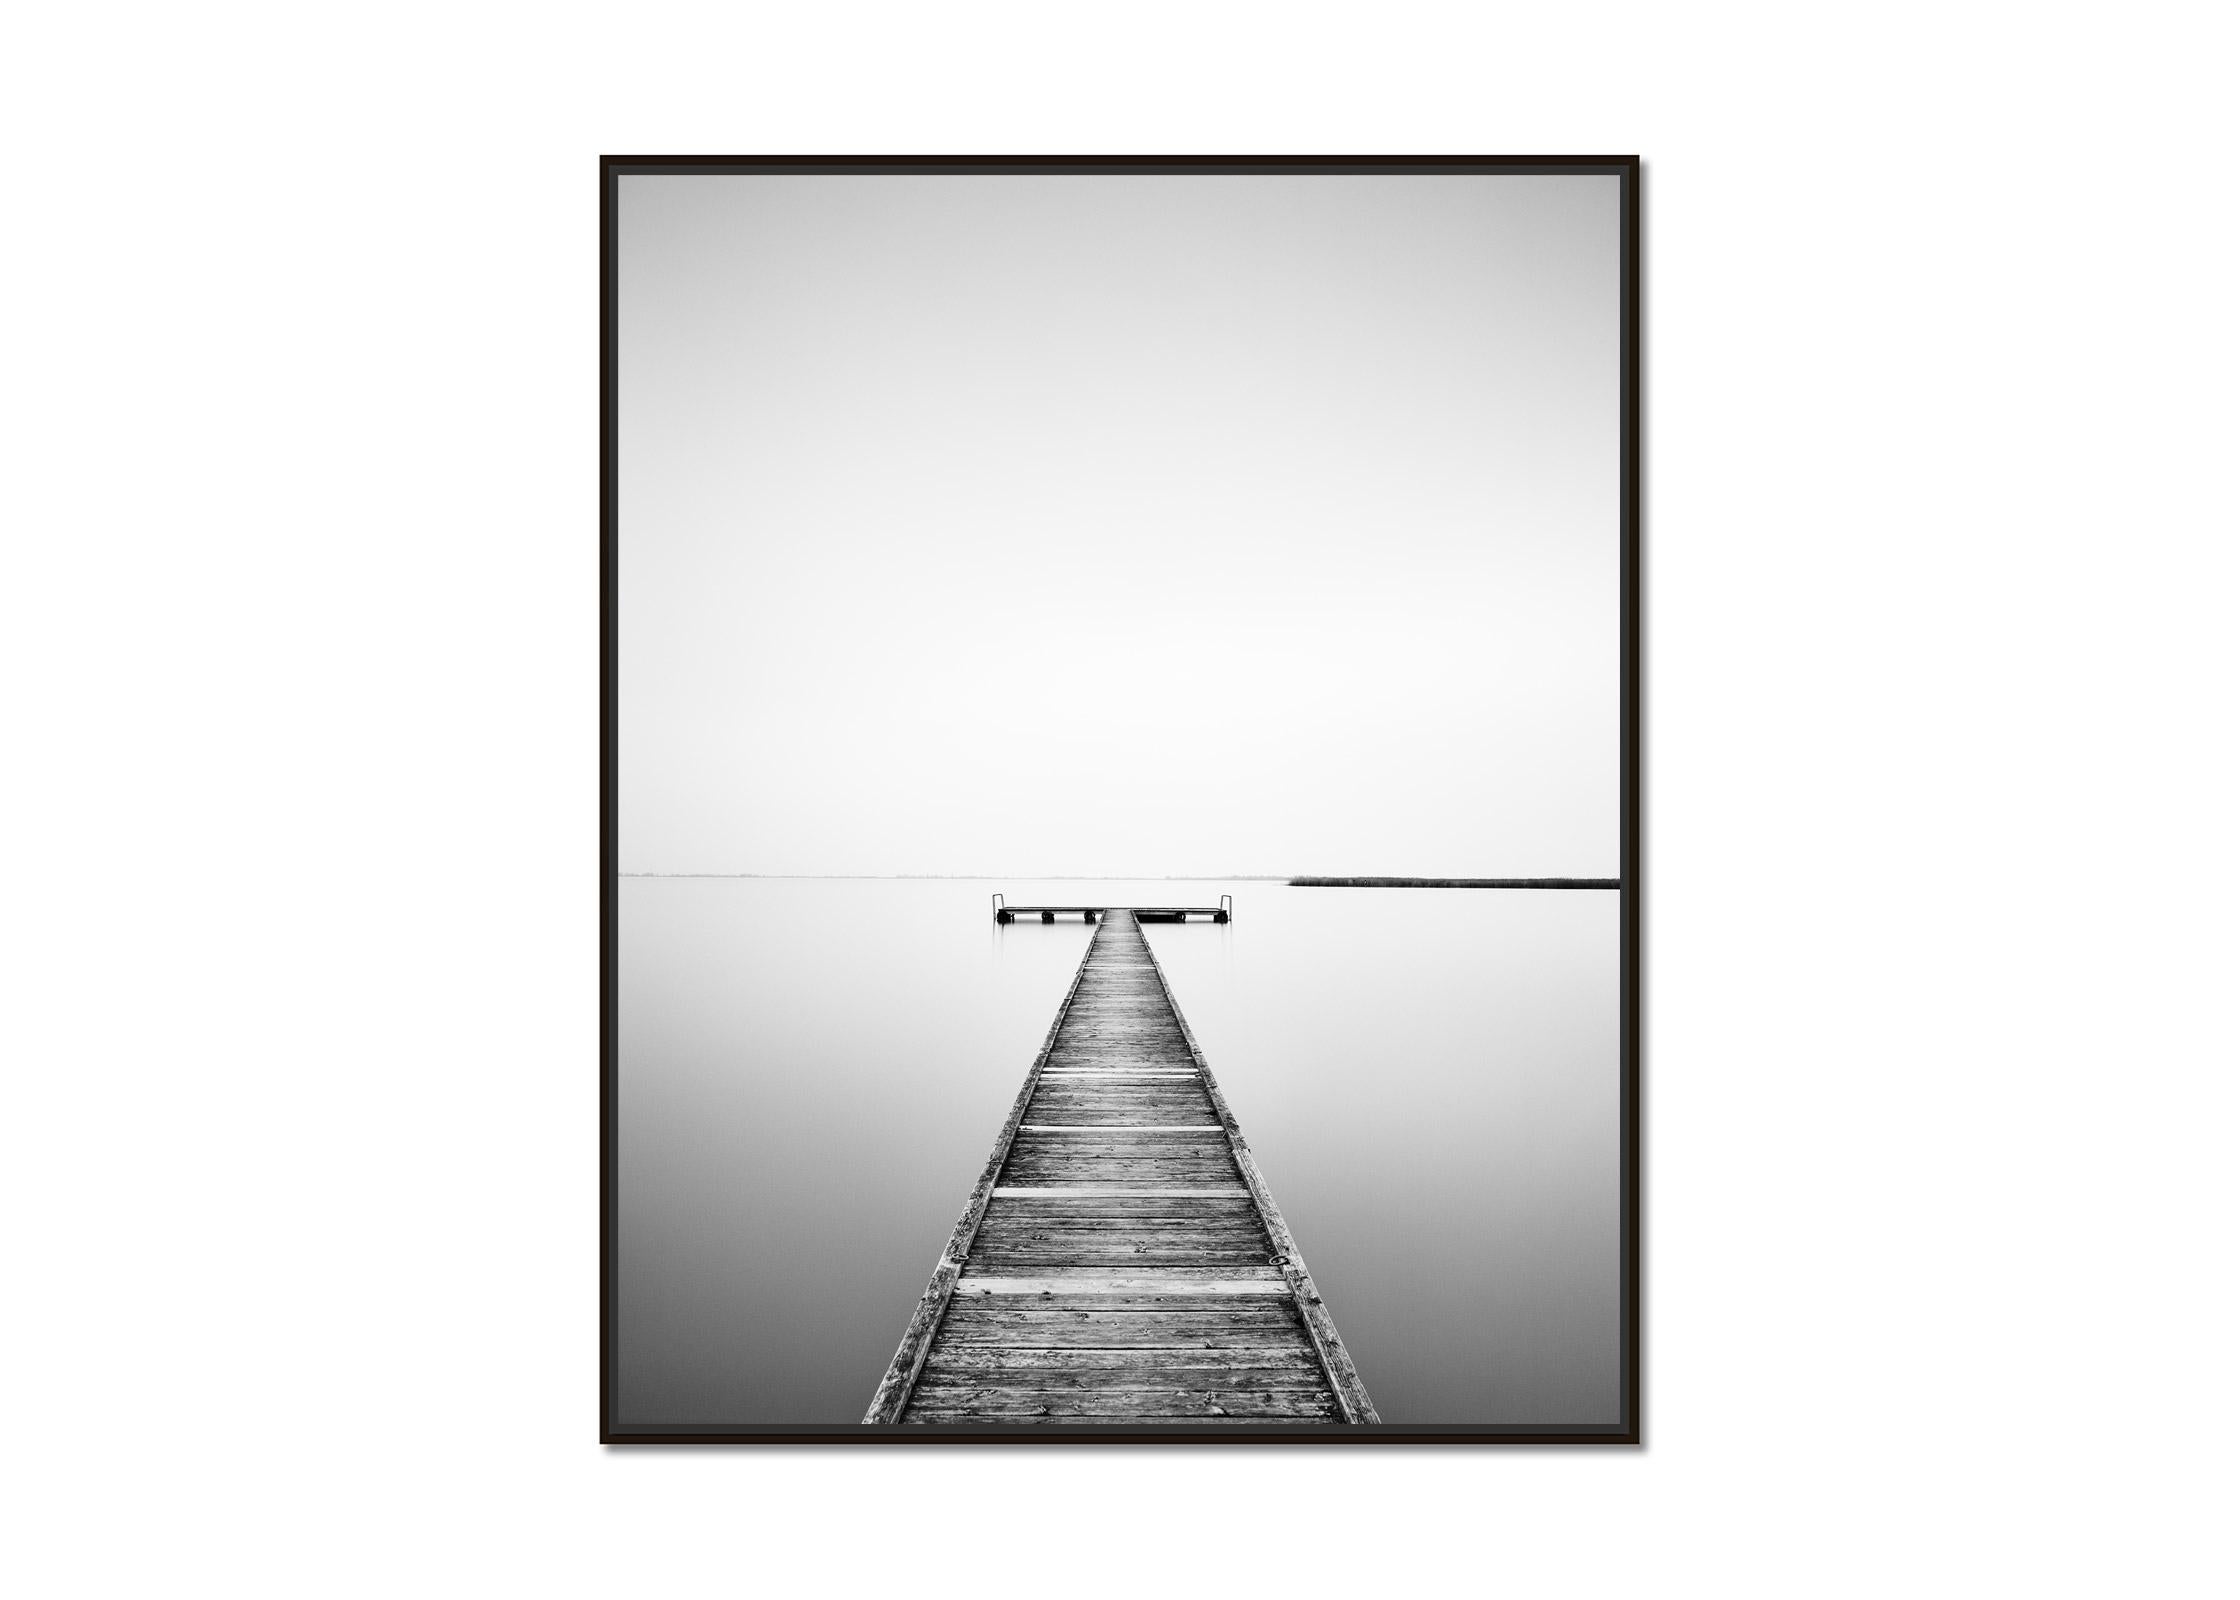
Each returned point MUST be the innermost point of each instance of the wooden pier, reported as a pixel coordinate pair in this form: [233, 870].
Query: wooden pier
[1121, 1259]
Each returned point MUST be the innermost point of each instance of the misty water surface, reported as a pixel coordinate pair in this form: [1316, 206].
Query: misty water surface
[814, 1072]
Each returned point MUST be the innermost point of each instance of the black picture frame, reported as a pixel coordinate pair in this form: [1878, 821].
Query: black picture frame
[1627, 168]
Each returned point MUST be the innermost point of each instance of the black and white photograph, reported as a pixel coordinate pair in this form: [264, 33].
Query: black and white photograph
[1129, 800]
[1121, 801]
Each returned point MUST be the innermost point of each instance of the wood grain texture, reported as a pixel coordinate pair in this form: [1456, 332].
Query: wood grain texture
[1120, 1259]
[893, 1393]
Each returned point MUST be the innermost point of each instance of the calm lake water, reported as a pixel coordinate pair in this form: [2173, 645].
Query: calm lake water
[814, 1072]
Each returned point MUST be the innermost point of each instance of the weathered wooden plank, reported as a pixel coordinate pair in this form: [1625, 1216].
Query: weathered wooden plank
[1164, 1182]
[1147, 1046]
[1109, 1166]
[935, 1385]
[1091, 1223]
[1095, 1090]
[1062, 1101]
[1121, 1137]
[1081, 1135]
[1091, 1138]
[1019, 1217]
[1148, 1146]
[1149, 1263]
[1151, 1237]
[1069, 1307]
[1149, 1127]
[1167, 1095]
[1125, 1235]
[1093, 1057]
[1121, 1092]
[980, 1361]
[1103, 1393]
[1100, 1191]
[1089, 1249]
[1090, 1143]
[1122, 1155]
[1069, 1107]
[968, 1425]
[1123, 1318]
[1028, 1258]
[1123, 1021]
[1081, 1207]
[1000, 1404]
[1098, 1121]
[1094, 1074]
[1223, 1203]
[1073, 1106]
[1097, 1243]
[1115, 1173]
[1114, 1082]
[1009, 1262]
[1221, 1280]
[1091, 1158]
[1088, 1279]
[1134, 1331]
[1065, 1075]
[1103, 1116]
[1171, 1232]
[1145, 1179]
[1003, 1254]
[1087, 1066]
[1118, 1046]
[1039, 1329]
[1089, 1230]
[1082, 1213]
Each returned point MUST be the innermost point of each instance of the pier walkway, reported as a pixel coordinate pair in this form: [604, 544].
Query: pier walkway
[1121, 1259]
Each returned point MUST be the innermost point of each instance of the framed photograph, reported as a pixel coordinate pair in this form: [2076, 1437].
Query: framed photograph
[1121, 873]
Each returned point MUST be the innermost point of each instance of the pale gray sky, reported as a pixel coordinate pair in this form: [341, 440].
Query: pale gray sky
[1137, 525]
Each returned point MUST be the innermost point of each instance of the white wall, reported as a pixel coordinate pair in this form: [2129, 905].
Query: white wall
[300, 665]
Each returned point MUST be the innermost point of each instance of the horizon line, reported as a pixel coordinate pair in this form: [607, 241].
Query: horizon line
[1129, 877]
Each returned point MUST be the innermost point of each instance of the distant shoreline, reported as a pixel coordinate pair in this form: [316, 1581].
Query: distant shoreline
[1453, 883]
